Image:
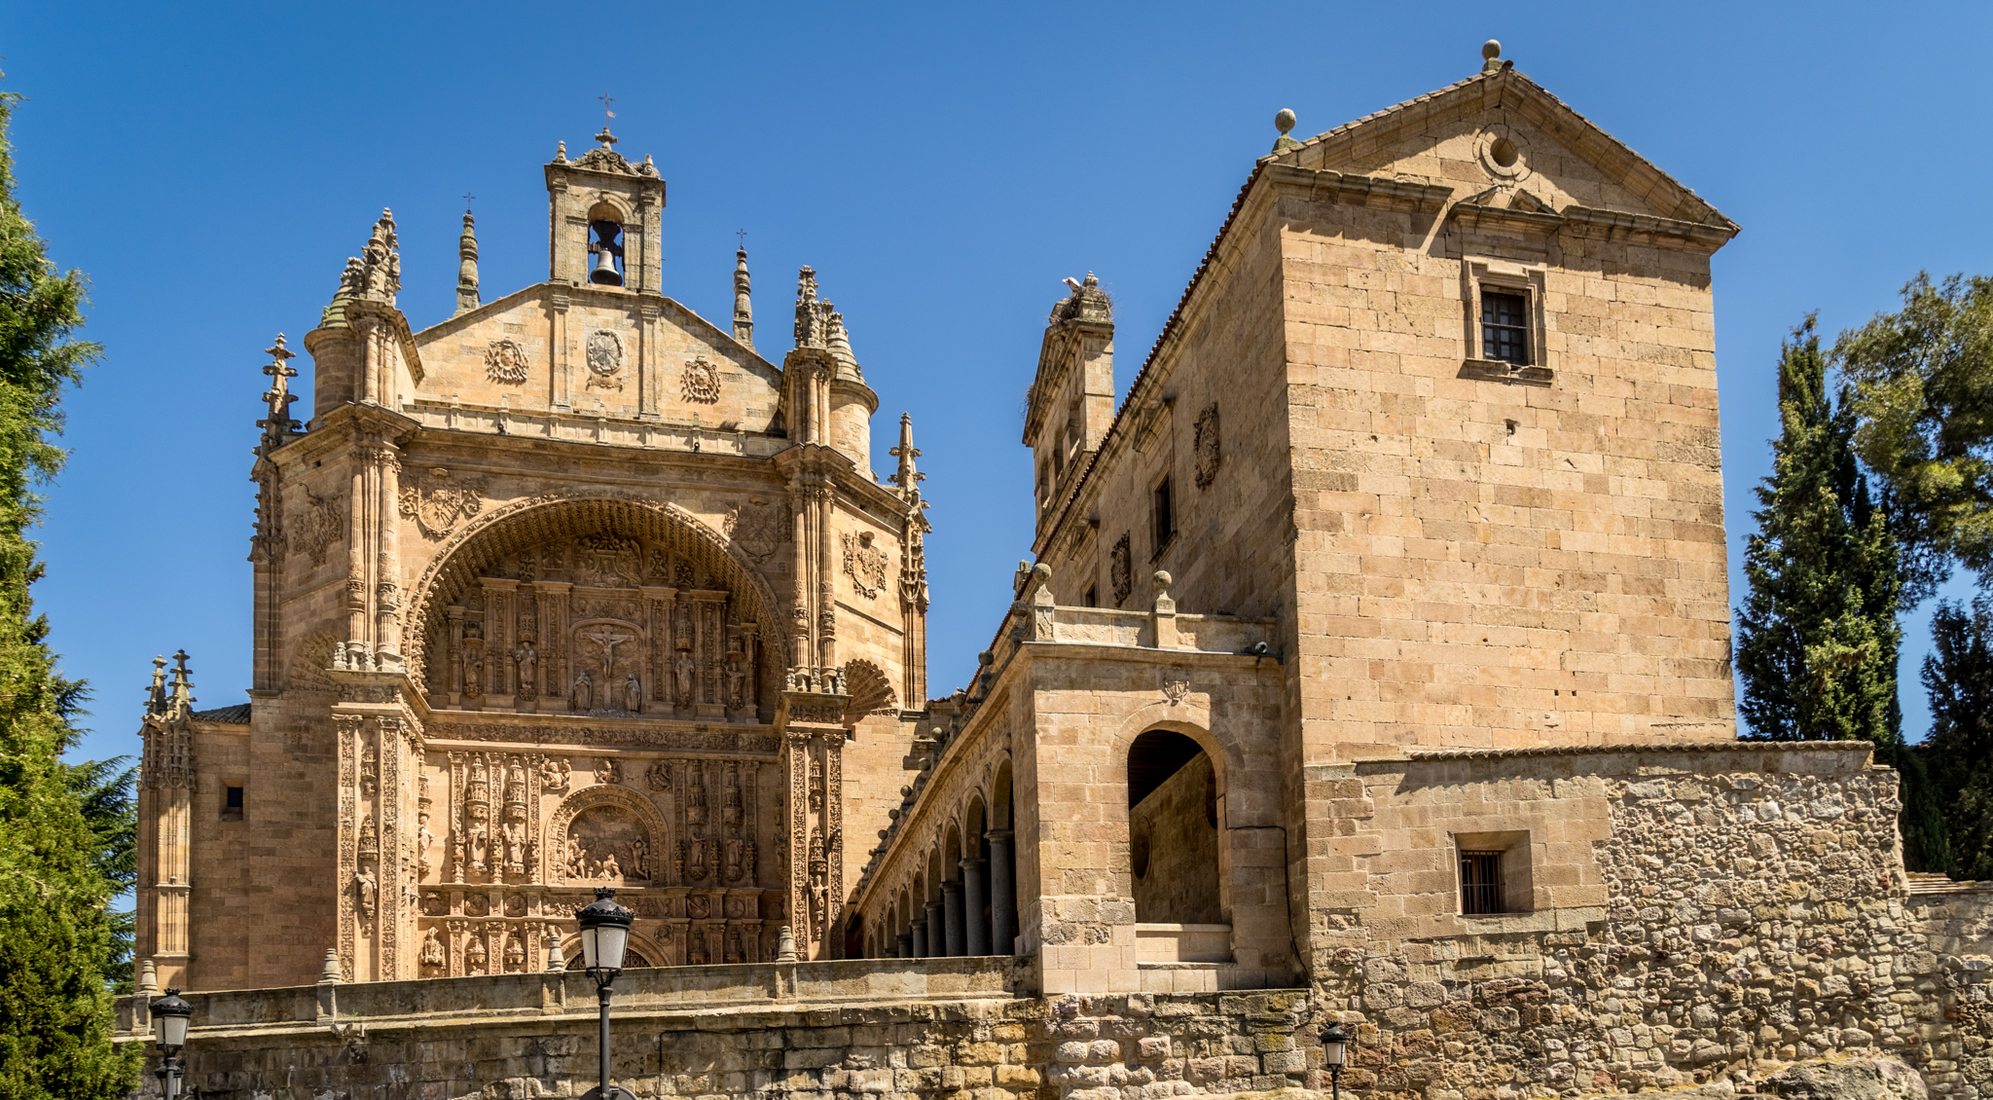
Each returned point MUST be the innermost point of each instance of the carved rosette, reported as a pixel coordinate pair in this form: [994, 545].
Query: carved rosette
[604, 352]
[699, 382]
[505, 362]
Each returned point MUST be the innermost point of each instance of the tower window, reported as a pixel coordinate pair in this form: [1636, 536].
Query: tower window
[1505, 327]
[231, 803]
[1165, 514]
[1494, 873]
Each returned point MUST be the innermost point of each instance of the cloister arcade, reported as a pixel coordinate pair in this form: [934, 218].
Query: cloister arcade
[963, 898]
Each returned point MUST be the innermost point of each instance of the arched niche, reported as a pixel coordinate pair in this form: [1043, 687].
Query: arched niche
[593, 605]
[605, 822]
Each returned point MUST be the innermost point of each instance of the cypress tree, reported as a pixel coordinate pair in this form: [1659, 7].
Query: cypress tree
[1817, 635]
[1959, 676]
[55, 930]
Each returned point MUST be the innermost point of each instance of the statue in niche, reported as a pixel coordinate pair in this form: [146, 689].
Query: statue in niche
[515, 846]
[515, 783]
[474, 956]
[609, 870]
[433, 958]
[633, 693]
[685, 670]
[367, 890]
[735, 866]
[528, 662]
[584, 691]
[639, 858]
[477, 834]
[577, 858]
[737, 679]
[515, 954]
[424, 840]
[474, 672]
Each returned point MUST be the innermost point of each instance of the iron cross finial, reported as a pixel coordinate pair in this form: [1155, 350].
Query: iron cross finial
[606, 101]
[467, 201]
[742, 234]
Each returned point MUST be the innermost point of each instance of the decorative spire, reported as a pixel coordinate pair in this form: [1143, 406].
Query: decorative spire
[743, 302]
[1283, 121]
[560, 152]
[277, 424]
[180, 692]
[155, 696]
[467, 298]
[810, 327]
[838, 339]
[907, 477]
[380, 262]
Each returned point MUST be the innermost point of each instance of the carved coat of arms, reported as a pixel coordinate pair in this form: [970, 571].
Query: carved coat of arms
[700, 381]
[505, 362]
[1121, 570]
[316, 527]
[605, 360]
[1208, 448]
[436, 505]
[865, 564]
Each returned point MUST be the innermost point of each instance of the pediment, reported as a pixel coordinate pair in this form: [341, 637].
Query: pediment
[555, 347]
[1502, 142]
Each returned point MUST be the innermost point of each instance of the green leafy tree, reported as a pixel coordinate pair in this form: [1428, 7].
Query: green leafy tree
[1922, 380]
[55, 928]
[1817, 635]
[1959, 676]
[107, 791]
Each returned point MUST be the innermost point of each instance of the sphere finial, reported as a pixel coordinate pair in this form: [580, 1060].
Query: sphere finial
[1284, 120]
[1491, 54]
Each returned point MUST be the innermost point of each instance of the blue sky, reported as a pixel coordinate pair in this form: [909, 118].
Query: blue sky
[211, 166]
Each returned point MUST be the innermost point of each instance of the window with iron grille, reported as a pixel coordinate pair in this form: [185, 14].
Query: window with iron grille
[1481, 883]
[1505, 327]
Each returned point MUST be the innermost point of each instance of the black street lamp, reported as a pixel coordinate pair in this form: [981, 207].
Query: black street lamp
[169, 1021]
[1335, 1050]
[605, 932]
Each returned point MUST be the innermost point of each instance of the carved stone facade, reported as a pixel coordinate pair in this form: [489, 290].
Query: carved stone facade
[544, 626]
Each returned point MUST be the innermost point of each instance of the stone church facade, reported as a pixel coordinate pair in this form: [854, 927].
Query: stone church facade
[1372, 666]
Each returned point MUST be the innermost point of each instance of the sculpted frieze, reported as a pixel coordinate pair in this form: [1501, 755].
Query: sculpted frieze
[759, 741]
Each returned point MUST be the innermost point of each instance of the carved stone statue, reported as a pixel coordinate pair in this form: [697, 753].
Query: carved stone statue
[610, 868]
[367, 890]
[737, 680]
[684, 671]
[425, 839]
[528, 662]
[474, 671]
[515, 846]
[584, 691]
[577, 858]
[474, 956]
[639, 858]
[515, 954]
[433, 958]
[633, 693]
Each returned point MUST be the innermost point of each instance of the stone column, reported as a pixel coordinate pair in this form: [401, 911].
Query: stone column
[937, 929]
[905, 943]
[916, 941]
[978, 942]
[1003, 895]
[951, 907]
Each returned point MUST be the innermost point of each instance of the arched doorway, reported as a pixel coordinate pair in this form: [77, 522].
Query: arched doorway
[1173, 831]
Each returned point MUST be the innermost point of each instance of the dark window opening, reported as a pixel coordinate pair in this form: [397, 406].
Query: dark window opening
[1481, 883]
[1505, 327]
[1165, 515]
[1093, 596]
[231, 804]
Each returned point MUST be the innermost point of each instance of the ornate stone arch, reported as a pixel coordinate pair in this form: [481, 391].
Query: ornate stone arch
[871, 692]
[643, 813]
[527, 522]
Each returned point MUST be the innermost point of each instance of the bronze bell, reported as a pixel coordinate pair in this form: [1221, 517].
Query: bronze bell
[605, 273]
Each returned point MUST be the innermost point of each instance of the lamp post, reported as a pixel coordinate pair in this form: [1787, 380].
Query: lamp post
[169, 1020]
[605, 932]
[1335, 1049]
